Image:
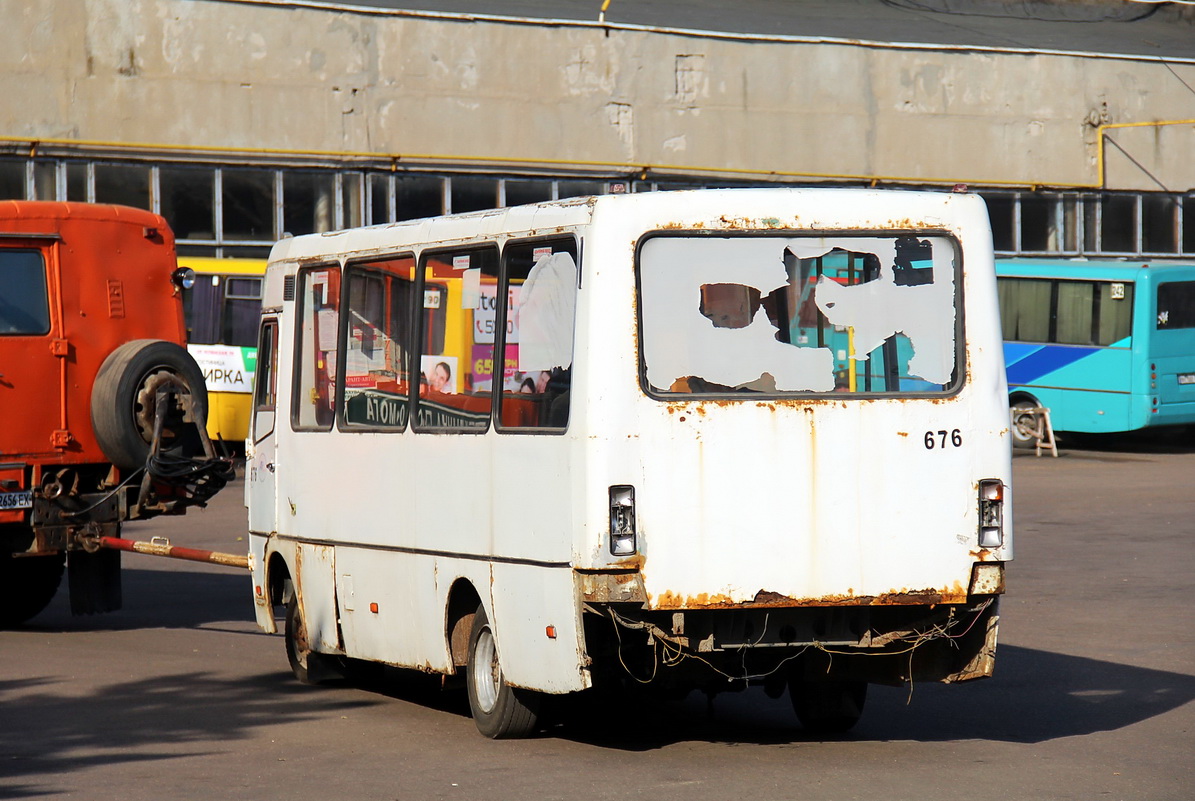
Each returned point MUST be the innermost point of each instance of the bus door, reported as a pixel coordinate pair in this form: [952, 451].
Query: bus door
[260, 447]
[1172, 350]
[261, 492]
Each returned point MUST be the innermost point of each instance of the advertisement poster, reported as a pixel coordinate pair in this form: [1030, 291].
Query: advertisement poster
[485, 318]
[513, 380]
[226, 368]
[439, 373]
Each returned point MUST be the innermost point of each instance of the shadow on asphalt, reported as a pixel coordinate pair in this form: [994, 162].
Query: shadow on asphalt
[158, 599]
[1035, 696]
[46, 729]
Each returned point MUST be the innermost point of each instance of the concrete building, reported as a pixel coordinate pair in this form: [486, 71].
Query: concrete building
[245, 120]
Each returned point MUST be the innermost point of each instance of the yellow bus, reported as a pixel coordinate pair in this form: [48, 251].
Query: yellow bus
[221, 310]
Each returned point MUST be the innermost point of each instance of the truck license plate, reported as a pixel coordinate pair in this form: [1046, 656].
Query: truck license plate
[22, 499]
[1186, 378]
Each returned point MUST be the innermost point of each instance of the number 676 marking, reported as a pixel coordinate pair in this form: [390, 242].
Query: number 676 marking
[954, 437]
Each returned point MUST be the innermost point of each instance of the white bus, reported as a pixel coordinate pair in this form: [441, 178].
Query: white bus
[698, 440]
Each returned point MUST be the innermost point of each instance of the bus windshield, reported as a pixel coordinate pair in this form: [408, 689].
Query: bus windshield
[777, 314]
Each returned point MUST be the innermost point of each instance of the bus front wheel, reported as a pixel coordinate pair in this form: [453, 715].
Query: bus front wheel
[499, 710]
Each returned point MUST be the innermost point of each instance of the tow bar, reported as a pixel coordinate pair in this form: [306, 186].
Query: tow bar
[160, 546]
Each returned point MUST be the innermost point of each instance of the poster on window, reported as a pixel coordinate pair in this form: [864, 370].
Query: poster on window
[439, 373]
[485, 318]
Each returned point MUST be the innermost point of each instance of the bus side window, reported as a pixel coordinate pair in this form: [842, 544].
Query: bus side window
[378, 340]
[541, 298]
[315, 355]
[459, 297]
[265, 392]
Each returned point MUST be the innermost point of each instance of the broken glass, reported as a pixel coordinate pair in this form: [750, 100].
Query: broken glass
[866, 314]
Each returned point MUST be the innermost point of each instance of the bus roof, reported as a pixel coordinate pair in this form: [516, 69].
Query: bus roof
[778, 208]
[1104, 269]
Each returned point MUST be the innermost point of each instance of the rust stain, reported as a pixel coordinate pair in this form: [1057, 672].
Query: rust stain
[631, 563]
[765, 599]
[802, 404]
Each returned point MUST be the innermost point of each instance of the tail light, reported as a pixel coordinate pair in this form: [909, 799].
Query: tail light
[622, 521]
[991, 513]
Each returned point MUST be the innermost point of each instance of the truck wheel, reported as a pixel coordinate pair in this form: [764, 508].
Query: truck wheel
[27, 584]
[308, 666]
[123, 401]
[1024, 422]
[827, 707]
[499, 710]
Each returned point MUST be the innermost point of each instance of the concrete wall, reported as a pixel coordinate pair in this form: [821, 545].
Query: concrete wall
[245, 75]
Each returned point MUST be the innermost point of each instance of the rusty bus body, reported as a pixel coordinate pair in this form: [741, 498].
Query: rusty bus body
[91, 338]
[739, 437]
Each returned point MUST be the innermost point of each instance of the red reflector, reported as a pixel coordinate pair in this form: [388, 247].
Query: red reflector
[373, 607]
[551, 632]
[257, 589]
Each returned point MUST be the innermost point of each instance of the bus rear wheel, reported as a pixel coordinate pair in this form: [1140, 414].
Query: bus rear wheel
[1024, 422]
[499, 710]
[308, 666]
[827, 707]
[27, 585]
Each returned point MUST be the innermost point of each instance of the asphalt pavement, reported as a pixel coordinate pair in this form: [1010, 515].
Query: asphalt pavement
[179, 696]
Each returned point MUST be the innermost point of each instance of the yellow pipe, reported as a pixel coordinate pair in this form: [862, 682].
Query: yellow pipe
[852, 368]
[642, 168]
[1101, 131]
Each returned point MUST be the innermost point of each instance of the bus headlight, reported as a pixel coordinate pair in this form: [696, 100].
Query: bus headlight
[991, 513]
[622, 521]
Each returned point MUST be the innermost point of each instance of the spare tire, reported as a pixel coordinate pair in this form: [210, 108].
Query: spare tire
[123, 402]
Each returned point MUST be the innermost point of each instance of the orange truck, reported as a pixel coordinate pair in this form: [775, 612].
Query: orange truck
[102, 408]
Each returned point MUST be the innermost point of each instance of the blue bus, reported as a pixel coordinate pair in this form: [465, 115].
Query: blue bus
[1106, 346]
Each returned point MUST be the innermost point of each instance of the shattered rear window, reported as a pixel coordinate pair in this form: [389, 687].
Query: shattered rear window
[774, 314]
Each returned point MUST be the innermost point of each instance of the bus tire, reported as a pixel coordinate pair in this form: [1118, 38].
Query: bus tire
[27, 585]
[499, 710]
[1024, 422]
[122, 402]
[308, 666]
[827, 707]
